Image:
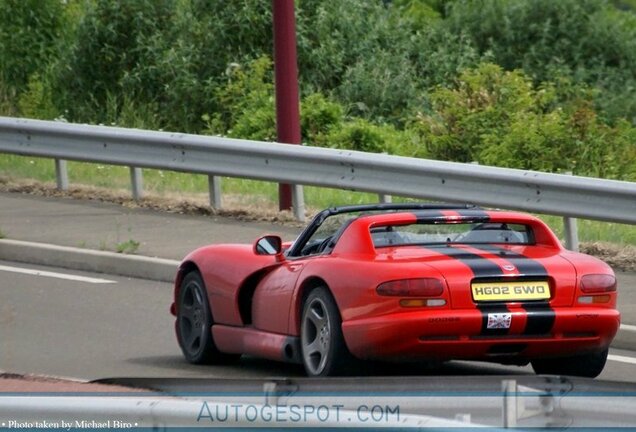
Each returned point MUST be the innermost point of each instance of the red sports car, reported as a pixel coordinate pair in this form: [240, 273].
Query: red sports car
[400, 282]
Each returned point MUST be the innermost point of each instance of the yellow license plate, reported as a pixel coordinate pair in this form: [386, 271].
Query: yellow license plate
[510, 291]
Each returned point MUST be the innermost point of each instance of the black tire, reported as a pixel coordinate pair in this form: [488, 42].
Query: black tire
[585, 365]
[194, 321]
[323, 348]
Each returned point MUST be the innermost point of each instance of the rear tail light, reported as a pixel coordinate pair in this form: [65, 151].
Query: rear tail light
[418, 302]
[595, 299]
[598, 283]
[423, 287]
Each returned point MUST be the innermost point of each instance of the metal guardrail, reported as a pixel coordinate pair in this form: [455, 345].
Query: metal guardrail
[564, 195]
[499, 403]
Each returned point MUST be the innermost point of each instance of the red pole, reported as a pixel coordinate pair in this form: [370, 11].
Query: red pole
[286, 72]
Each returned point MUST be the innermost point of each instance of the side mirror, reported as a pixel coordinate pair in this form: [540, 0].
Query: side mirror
[269, 245]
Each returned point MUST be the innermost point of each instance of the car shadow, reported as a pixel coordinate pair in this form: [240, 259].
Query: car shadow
[253, 367]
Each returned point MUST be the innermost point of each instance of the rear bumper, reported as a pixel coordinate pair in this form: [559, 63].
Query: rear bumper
[460, 334]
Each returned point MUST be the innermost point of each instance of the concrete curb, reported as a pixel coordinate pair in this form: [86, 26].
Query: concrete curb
[143, 267]
[625, 338]
[136, 266]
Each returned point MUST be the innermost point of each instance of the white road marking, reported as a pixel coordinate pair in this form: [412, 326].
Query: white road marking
[55, 275]
[628, 327]
[622, 359]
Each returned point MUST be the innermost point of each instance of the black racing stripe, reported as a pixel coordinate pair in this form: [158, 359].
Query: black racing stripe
[481, 268]
[474, 213]
[526, 266]
[428, 215]
[540, 316]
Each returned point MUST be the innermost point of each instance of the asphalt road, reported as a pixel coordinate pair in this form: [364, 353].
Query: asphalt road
[105, 326]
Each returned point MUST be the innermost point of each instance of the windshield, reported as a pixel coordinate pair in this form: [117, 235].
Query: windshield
[326, 234]
[450, 233]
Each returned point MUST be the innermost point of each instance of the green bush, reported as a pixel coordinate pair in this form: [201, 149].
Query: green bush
[245, 101]
[246, 86]
[361, 135]
[419, 13]
[113, 51]
[381, 87]
[29, 34]
[481, 102]
[198, 54]
[124, 111]
[211, 35]
[333, 35]
[257, 122]
[601, 150]
[37, 100]
[318, 115]
[7, 101]
[590, 41]
[500, 118]
[531, 141]
[440, 55]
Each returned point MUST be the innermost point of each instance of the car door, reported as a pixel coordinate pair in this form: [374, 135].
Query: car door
[272, 298]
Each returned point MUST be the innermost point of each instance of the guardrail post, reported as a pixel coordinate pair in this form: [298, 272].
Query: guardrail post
[214, 187]
[61, 174]
[298, 202]
[137, 183]
[570, 226]
[571, 234]
[385, 199]
[509, 409]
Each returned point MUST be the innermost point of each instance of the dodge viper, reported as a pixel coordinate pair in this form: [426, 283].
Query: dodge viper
[400, 282]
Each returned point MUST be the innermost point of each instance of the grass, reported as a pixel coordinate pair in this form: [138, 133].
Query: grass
[127, 247]
[593, 231]
[168, 182]
[252, 192]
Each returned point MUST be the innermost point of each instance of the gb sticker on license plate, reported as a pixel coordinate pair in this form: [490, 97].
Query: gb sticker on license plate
[499, 320]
